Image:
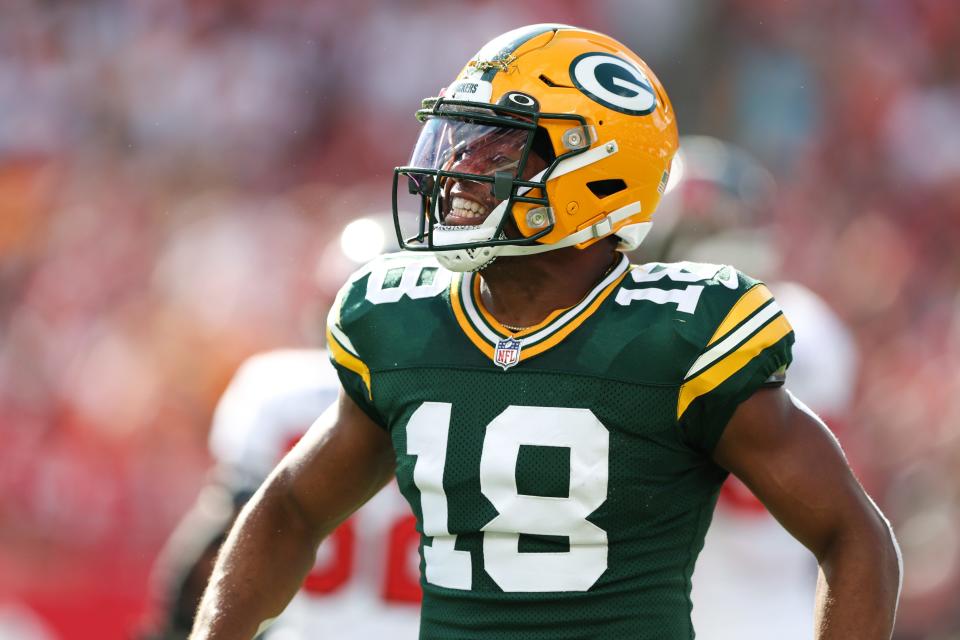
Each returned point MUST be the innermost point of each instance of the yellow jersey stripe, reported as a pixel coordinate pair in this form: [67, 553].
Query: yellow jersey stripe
[472, 307]
[484, 342]
[567, 329]
[349, 361]
[496, 326]
[733, 362]
[746, 305]
[732, 341]
[458, 312]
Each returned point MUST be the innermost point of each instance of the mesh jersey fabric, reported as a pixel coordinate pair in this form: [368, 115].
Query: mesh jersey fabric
[655, 365]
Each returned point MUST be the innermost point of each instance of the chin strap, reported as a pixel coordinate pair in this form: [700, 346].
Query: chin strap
[599, 229]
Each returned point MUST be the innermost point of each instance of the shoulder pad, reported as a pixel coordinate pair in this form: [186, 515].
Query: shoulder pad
[737, 324]
[388, 278]
[270, 402]
[686, 272]
[695, 293]
[379, 301]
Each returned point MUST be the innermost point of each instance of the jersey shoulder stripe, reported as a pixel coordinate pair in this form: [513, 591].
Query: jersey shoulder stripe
[753, 299]
[342, 353]
[754, 324]
[353, 324]
[736, 331]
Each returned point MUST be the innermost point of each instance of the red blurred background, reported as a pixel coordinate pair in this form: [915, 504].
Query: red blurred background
[174, 175]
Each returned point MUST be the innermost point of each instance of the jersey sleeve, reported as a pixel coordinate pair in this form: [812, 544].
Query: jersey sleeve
[749, 348]
[346, 317]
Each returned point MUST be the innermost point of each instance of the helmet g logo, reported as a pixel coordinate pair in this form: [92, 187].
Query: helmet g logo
[614, 82]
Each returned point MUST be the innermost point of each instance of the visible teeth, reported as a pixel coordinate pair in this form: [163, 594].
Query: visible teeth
[463, 208]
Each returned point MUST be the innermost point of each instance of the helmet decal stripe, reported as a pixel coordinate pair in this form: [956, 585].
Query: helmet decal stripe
[496, 54]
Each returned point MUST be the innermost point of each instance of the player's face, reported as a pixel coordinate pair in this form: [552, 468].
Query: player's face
[477, 149]
[468, 202]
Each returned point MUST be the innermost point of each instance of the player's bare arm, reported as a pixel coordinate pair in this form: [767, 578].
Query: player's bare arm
[342, 461]
[791, 461]
[186, 561]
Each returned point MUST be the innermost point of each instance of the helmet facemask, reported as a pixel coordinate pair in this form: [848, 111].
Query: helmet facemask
[487, 162]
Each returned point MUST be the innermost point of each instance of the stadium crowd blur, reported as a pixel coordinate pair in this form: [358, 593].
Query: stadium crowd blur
[174, 176]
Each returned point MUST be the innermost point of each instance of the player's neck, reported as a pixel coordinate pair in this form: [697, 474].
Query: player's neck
[521, 291]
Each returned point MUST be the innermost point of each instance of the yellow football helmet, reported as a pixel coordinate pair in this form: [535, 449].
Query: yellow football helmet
[550, 136]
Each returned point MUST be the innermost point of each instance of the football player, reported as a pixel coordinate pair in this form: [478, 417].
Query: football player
[559, 420]
[364, 582]
[753, 581]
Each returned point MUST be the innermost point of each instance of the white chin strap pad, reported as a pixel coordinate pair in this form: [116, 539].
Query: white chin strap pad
[631, 235]
[466, 259]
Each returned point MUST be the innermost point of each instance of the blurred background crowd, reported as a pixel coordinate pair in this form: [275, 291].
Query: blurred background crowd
[174, 176]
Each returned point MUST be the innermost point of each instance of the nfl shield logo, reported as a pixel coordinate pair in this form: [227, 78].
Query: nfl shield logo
[507, 353]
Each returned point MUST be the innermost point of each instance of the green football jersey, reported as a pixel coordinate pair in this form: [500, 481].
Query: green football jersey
[561, 476]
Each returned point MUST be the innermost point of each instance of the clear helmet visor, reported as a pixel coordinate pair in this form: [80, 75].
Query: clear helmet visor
[468, 147]
[460, 160]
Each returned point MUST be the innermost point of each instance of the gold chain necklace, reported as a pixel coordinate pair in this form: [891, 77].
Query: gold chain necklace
[618, 257]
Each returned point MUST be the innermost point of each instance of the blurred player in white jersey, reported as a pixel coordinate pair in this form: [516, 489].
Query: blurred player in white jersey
[365, 583]
[753, 580]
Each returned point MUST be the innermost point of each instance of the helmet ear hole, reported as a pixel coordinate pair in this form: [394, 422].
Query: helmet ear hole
[542, 145]
[605, 188]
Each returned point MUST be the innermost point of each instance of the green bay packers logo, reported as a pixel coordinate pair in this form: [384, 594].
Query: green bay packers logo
[614, 82]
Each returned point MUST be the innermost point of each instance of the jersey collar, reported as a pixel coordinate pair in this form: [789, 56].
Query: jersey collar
[483, 330]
